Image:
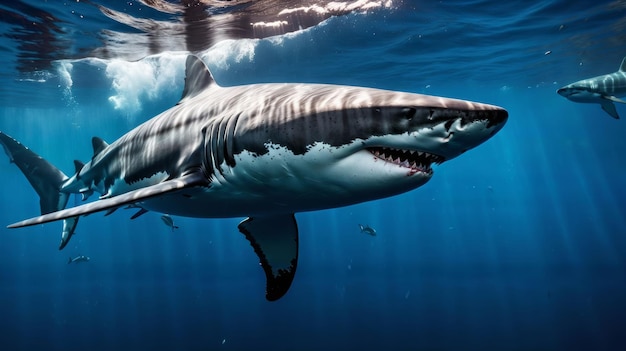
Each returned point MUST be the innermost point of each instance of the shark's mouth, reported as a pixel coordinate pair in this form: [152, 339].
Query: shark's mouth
[416, 161]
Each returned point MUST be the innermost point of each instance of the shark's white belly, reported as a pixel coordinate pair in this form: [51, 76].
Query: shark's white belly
[281, 182]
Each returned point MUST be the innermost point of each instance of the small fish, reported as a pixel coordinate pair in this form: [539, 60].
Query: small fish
[167, 219]
[367, 230]
[78, 259]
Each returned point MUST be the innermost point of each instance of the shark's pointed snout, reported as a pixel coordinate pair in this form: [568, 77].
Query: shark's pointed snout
[567, 91]
[571, 93]
[500, 117]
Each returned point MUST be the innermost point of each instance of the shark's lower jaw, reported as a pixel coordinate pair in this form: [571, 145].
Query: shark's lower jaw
[415, 161]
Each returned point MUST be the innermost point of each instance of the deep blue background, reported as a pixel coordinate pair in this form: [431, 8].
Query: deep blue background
[518, 244]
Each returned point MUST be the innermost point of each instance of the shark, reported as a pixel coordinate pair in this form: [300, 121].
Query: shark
[604, 90]
[262, 152]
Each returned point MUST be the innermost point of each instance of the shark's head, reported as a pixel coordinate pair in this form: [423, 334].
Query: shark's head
[581, 91]
[347, 144]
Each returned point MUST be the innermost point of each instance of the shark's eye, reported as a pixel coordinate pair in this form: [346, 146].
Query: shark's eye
[408, 113]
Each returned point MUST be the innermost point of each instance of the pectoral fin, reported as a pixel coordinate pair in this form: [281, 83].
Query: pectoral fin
[69, 226]
[139, 213]
[609, 107]
[167, 187]
[275, 241]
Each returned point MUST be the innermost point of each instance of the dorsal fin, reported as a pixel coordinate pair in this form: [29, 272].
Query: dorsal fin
[197, 77]
[78, 166]
[622, 68]
[98, 145]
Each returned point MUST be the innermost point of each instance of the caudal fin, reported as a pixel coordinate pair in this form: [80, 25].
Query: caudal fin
[45, 178]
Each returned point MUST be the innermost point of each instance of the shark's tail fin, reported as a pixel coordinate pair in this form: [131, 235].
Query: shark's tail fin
[45, 178]
[69, 260]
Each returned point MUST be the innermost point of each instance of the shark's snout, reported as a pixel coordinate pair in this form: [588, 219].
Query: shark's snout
[565, 91]
[497, 118]
[578, 93]
[464, 131]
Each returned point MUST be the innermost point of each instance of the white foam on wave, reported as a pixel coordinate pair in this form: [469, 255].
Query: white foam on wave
[135, 83]
[144, 80]
[226, 52]
[64, 71]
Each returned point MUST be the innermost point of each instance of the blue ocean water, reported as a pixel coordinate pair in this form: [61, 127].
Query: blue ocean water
[519, 244]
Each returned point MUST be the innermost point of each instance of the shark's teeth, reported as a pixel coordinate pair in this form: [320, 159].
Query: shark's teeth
[419, 161]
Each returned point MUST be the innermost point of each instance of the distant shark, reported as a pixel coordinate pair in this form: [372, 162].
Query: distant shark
[603, 90]
[265, 152]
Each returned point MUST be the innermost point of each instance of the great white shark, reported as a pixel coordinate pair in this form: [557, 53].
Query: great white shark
[264, 152]
[604, 90]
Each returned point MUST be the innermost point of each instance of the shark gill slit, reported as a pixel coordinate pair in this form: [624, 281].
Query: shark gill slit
[218, 137]
[229, 139]
[212, 148]
[221, 138]
[207, 164]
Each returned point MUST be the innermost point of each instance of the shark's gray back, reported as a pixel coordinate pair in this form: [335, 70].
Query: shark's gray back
[612, 84]
[222, 122]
